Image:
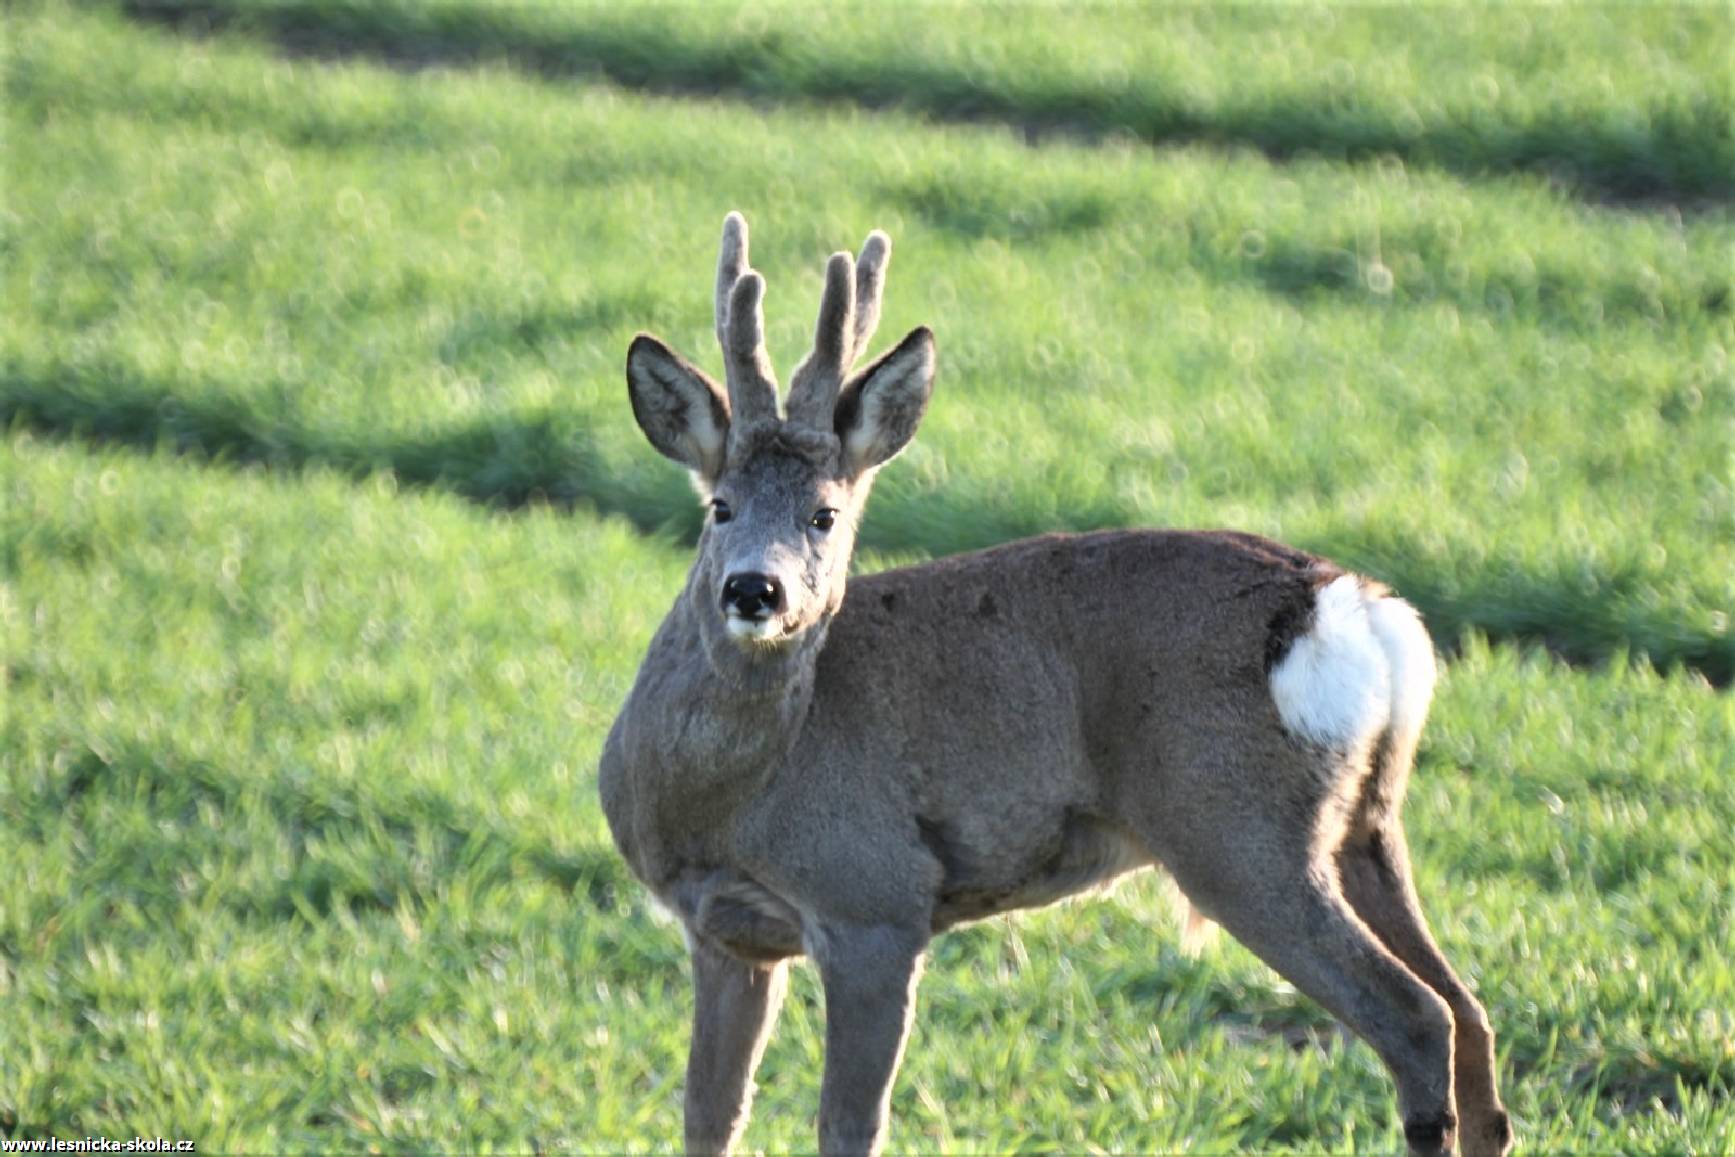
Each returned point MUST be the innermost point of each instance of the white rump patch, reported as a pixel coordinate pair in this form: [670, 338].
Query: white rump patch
[1410, 656]
[1334, 686]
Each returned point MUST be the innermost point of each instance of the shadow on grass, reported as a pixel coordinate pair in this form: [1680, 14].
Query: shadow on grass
[1685, 157]
[528, 459]
[1540, 292]
[336, 835]
[1622, 1079]
[1414, 266]
[550, 459]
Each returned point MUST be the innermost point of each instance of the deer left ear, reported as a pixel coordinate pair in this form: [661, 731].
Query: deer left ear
[681, 411]
[879, 409]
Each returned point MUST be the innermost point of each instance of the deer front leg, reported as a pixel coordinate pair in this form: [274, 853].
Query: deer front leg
[869, 974]
[734, 1006]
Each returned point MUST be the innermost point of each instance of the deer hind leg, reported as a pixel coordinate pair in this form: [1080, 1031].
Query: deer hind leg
[1375, 866]
[1282, 898]
[735, 1005]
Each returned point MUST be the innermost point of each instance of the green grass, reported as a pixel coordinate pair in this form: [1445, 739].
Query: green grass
[355, 267]
[304, 851]
[328, 547]
[1611, 101]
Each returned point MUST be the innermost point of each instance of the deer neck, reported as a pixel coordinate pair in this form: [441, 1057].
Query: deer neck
[706, 727]
[730, 712]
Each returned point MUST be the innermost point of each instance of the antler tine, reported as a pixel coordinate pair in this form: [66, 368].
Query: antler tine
[870, 284]
[752, 385]
[849, 312]
[741, 329]
[813, 390]
[731, 264]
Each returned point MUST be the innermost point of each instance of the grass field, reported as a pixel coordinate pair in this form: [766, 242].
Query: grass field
[328, 547]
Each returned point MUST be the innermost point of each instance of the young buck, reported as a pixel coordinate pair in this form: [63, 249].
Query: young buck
[793, 773]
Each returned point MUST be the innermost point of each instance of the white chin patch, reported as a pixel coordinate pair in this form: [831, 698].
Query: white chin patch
[760, 631]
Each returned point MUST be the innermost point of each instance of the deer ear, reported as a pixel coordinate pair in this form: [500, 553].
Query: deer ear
[681, 411]
[879, 409]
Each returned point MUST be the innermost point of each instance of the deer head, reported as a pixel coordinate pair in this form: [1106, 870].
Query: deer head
[785, 492]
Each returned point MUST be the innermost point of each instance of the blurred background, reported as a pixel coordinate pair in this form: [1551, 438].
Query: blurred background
[328, 546]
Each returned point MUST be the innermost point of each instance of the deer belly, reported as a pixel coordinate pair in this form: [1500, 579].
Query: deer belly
[1082, 852]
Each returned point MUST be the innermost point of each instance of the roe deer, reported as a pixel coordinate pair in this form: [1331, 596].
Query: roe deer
[797, 773]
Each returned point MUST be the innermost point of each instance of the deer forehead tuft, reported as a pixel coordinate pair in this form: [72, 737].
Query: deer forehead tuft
[816, 449]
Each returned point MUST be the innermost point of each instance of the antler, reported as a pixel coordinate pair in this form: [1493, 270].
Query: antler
[741, 330]
[849, 312]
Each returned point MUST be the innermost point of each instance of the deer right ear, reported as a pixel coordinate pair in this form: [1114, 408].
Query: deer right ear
[879, 409]
[683, 412]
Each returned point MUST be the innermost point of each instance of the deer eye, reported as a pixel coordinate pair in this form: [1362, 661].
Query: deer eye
[720, 511]
[823, 518]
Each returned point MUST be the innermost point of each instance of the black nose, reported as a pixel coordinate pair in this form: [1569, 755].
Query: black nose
[753, 596]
